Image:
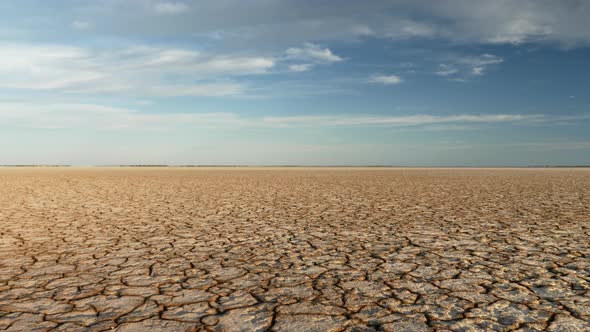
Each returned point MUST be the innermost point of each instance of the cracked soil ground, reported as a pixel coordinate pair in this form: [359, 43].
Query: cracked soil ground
[176, 249]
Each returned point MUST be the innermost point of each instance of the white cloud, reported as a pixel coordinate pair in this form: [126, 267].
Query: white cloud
[548, 146]
[419, 30]
[284, 23]
[405, 28]
[481, 60]
[385, 79]
[300, 67]
[100, 117]
[211, 90]
[410, 120]
[170, 8]
[361, 30]
[468, 65]
[478, 71]
[238, 65]
[61, 115]
[479, 64]
[312, 52]
[44, 67]
[80, 25]
[504, 21]
[139, 70]
[446, 70]
[520, 30]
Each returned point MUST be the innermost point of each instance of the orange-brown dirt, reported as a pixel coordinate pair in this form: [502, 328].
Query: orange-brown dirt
[254, 249]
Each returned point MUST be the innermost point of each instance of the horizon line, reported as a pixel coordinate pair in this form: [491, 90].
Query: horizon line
[281, 166]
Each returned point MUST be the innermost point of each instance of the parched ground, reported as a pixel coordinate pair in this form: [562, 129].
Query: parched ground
[294, 249]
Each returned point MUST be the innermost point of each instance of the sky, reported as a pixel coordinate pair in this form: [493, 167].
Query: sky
[301, 82]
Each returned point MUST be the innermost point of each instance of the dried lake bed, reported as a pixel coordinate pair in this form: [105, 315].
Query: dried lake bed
[294, 249]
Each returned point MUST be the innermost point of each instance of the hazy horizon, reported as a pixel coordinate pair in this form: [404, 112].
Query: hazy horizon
[391, 83]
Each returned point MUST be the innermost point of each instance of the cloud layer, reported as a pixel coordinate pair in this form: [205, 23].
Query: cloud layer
[134, 70]
[563, 23]
[141, 70]
[93, 116]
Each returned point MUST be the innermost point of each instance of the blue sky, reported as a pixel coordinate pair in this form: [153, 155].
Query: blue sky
[266, 82]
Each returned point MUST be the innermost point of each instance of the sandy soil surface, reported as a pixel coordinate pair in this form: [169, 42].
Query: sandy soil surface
[294, 249]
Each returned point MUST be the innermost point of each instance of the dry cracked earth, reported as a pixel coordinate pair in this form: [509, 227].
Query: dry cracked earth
[135, 249]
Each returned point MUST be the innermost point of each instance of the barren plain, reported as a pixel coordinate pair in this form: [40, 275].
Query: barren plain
[294, 249]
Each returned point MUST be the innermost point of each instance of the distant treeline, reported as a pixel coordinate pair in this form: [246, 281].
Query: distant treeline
[347, 166]
[174, 166]
[196, 166]
[563, 166]
[35, 165]
[302, 166]
[318, 166]
[132, 166]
